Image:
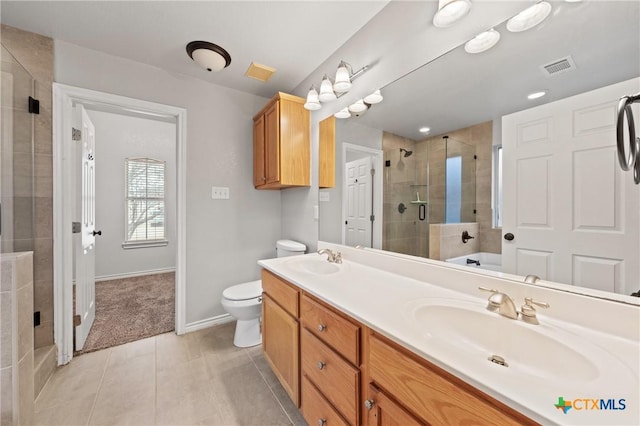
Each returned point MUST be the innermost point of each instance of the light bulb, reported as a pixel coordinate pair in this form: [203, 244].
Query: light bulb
[343, 113]
[374, 98]
[326, 90]
[312, 103]
[343, 80]
[357, 106]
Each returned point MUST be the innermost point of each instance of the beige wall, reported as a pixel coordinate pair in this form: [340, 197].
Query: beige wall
[446, 240]
[35, 53]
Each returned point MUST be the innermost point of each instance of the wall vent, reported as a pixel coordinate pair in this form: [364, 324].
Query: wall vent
[558, 67]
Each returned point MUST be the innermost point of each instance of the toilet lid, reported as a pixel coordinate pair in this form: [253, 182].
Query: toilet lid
[244, 291]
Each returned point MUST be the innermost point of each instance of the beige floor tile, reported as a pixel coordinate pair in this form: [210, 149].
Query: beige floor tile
[126, 352]
[137, 373]
[246, 398]
[189, 407]
[289, 407]
[69, 414]
[265, 370]
[172, 349]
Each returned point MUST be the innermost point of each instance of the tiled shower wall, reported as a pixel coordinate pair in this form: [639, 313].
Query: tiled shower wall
[35, 53]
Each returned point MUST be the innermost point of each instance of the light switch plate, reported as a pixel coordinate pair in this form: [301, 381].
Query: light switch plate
[324, 196]
[219, 192]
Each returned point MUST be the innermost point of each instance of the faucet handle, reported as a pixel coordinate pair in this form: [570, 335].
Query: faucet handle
[528, 311]
[492, 290]
[337, 257]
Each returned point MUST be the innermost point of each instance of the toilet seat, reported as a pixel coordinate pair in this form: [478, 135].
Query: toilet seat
[245, 291]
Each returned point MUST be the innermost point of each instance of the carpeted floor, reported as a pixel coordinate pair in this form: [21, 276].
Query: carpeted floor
[131, 309]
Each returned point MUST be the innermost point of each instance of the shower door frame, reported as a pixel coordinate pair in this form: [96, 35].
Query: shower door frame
[64, 99]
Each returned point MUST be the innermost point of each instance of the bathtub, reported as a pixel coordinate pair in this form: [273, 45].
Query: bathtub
[489, 261]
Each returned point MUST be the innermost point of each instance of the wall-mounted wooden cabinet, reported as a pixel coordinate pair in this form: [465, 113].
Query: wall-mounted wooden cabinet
[327, 153]
[281, 146]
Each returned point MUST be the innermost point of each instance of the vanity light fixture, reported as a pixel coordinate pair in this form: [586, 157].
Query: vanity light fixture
[326, 90]
[358, 106]
[331, 91]
[482, 42]
[529, 18]
[536, 95]
[374, 98]
[313, 101]
[343, 113]
[208, 55]
[450, 11]
[424, 129]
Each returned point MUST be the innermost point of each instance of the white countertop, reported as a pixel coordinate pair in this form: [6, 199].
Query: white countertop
[383, 301]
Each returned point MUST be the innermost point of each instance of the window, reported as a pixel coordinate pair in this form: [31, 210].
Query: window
[497, 188]
[145, 209]
[453, 189]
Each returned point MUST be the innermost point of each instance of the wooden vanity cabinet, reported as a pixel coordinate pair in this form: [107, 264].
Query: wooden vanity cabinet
[281, 144]
[281, 332]
[330, 361]
[425, 392]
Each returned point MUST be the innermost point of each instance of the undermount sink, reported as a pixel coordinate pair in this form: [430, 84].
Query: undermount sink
[312, 265]
[480, 336]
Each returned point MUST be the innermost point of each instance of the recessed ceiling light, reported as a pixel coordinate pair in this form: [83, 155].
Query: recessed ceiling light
[425, 129]
[529, 17]
[483, 41]
[536, 95]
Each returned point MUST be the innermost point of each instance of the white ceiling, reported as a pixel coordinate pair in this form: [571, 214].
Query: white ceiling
[294, 37]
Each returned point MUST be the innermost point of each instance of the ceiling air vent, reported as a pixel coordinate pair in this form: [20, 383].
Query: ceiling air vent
[558, 67]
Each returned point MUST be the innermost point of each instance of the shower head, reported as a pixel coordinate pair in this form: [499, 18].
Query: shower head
[406, 153]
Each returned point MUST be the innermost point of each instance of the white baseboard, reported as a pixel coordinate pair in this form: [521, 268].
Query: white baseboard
[134, 274]
[209, 322]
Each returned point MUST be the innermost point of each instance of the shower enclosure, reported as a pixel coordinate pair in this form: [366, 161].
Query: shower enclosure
[425, 182]
[16, 157]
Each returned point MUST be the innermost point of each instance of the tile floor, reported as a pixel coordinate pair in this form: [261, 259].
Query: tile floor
[196, 379]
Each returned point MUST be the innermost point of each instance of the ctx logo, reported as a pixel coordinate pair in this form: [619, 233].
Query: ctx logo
[581, 404]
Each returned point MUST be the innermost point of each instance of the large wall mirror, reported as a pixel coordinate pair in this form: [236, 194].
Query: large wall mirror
[502, 160]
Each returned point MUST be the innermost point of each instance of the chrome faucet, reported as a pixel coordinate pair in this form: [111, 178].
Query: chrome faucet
[332, 257]
[528, 311]
[501, 303]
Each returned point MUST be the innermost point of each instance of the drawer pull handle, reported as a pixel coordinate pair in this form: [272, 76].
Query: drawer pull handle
[321, 327]
[369, 403]
[321, 365]
[322, 422]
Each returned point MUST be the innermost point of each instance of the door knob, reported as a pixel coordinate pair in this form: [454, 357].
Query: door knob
[509, 236]
[96, 233]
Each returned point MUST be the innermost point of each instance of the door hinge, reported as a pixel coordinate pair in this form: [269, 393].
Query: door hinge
[372, 218]
[34, 106]
[75, 227]
[77, 320]
[475, 157]
[36, 318]
[373, 172]
[76, 134]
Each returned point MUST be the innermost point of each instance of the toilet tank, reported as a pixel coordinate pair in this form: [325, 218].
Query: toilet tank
[289, 248]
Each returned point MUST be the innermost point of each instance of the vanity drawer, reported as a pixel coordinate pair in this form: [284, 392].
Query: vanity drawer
[431, 393]
[336, 379]
[332, 328]
[281, 291]
[316, 409]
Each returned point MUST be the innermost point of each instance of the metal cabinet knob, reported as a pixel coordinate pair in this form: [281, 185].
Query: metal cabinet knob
[322, 327]
[321, 365]
[322, 422]
[369, 403]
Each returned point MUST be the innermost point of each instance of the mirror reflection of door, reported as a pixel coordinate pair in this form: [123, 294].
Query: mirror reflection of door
[357, 202]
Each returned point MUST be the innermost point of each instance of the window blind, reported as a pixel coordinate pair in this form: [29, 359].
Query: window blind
[145, 183]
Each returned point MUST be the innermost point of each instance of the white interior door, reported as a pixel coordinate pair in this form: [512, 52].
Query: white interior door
[357, 202]
[572, 211]
[85, 245]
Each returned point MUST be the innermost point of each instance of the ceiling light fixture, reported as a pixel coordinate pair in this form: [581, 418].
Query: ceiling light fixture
[208, 55]
[529, 17]
[343, 113]
[331, 91]
[483, 41]
[536, 95]
[450, 11]
[424, 129]
[358, 106]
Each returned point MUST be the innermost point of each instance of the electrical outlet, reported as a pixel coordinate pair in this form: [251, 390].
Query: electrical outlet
[219, 192]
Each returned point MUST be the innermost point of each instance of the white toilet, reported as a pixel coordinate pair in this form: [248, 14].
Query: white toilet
[244, 301]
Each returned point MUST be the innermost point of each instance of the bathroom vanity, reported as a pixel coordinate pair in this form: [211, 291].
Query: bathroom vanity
[381, 339]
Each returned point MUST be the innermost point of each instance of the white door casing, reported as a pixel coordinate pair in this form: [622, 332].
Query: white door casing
[85, 253]
[357, 202]
[573, 212]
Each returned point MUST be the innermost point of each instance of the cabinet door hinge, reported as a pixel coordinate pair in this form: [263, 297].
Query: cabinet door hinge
[34, 106]
[372, 218]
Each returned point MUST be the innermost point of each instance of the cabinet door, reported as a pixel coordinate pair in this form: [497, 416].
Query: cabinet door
[272, 143]
[280, 343]
[327, 151]
[382, 411]
[259, 176]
